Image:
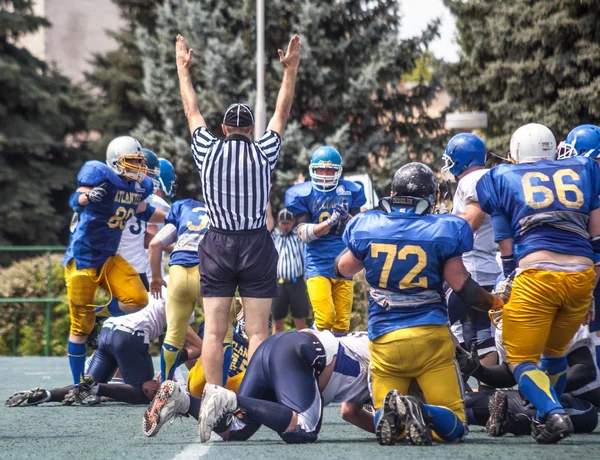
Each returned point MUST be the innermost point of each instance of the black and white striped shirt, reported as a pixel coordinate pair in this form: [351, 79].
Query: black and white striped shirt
[236, 175]
[291, 254]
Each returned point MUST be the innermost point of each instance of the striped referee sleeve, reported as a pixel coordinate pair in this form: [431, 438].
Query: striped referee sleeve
[270, 144]
[202, 142]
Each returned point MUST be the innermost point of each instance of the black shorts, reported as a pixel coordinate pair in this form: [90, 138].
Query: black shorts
[246, 260]
[292, 295]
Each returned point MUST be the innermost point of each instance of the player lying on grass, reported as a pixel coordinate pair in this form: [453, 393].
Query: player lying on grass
[290, 378]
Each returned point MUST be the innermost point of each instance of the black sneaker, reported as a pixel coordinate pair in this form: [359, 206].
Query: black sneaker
[498, 407]
[555, 428]
[386, 429]
[28, 398]
[82, 394]
[411, 411]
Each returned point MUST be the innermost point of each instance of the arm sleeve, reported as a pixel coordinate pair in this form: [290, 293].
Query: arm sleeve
[167, 234]
[487, 195]
[295, 203]
[270, 144]
[90, 175]
[498, 376]
[595, 183]
[470, 192]
[502, 228]
[173, 215]
[358, 198]
[463, 240]
[350, 241]
[582, 369]
[202, 141]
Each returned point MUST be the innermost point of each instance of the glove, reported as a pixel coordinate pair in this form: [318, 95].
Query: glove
[340, 214]
[97, 194]
[468, 362]
[504, 288]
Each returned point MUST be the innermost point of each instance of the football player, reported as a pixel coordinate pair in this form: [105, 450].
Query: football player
[465, 158]
[322, 209]
[407, 252]
[107, 196]
[546, 214]
[289, 379]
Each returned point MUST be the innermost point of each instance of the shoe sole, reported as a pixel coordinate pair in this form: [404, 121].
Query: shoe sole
[151, 422]
[498, 407]
[386, 430]
[417, 432]
[207, 418]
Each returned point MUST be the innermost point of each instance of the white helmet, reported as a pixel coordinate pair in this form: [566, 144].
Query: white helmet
[532, 142]
[119, 151]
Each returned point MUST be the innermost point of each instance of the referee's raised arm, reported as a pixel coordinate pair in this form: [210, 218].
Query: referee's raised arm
[183, 57]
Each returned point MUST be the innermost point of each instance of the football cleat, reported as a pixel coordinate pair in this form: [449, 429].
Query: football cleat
[28, 398]
[386, 429]
[411, 410]
[217, 402]
[498, 407]
[82, 394]
[169, 402]
[555, 428]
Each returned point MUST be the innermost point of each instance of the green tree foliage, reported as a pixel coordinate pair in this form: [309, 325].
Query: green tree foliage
[349, 94]
[527, 61]
[40, 116]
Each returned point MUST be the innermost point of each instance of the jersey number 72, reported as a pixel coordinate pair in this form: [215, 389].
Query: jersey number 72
[412, 278]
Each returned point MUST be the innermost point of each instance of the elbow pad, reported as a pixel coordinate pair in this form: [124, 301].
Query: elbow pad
[147, 214]
[474, 295]
[307, 233]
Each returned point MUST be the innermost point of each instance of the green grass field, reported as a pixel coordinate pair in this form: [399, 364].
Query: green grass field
[113, 430]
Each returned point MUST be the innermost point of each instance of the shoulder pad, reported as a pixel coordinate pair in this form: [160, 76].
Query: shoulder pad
[94, 172]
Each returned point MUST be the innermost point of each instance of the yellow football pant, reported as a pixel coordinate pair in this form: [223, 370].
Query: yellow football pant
[423, 353]
[197, 380]
[183, 291]
[116, 276]
[331, 299]
[544, 311]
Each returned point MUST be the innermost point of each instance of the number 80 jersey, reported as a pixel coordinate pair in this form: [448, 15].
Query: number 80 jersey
[404, 256]
[100, 225]
[546, 204]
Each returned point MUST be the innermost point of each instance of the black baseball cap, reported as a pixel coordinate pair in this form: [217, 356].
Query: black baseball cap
[285, 216]
[238, 115]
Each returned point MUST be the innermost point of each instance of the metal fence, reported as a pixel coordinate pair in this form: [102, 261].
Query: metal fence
[48, 301]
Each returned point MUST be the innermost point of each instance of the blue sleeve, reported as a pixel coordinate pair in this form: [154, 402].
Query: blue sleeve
[295, 203]
[358, 197]
[350, 241]
[463, 240]
[488, 197]
[148, 187]
[502, 228]
[91, 174]
[595, 181]
[173, 215]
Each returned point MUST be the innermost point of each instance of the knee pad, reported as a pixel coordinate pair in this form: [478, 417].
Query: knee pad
[298, 436]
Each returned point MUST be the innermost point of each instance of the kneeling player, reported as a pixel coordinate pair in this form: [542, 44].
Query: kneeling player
[407, 253]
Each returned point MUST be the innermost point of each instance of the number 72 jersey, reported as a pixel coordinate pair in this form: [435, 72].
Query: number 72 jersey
[546, 204]
[404, 256]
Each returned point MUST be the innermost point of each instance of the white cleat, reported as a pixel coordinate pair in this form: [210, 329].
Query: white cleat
[217, 402]
[169, 402]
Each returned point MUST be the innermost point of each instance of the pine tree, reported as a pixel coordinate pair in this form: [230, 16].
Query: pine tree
[525, 61]
[349, 93]
[40, 116]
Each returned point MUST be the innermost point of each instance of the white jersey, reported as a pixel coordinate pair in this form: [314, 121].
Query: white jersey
[349, 380]
[131, 247]
[481, 261]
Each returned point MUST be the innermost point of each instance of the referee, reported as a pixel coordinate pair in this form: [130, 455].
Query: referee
[290, 273]
[237, 252]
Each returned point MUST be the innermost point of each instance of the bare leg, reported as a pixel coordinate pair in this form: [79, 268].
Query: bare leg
[256, 312]
[299, 323]
[216, 323]
[279, 326]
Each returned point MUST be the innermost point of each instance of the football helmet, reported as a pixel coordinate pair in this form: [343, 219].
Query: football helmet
[532, 142]
[325, 157]
[119, 154]
[413, 187]
[464, 151]
[584, 140]
[167, 178]
[152, 165]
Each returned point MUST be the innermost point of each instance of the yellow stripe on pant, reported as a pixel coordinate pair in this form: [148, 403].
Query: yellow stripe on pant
[331, 300]
[116, 276]
[544, 312]
[422, 353]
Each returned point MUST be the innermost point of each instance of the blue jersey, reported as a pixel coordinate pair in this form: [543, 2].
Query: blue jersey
[546, 204]
[190, 219]
[239, 351]
[304, 199]
[97, 233]
[404, 256]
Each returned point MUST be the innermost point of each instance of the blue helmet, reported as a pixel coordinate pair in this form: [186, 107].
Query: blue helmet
[464, 151]
[152, 165]
[167, 178]
[584, 140]
[328, 158]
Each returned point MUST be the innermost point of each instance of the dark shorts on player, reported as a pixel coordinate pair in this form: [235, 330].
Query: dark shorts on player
[123, 349]
[291, 294]
[246, 260]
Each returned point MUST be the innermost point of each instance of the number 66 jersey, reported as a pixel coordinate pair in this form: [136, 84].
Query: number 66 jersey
[543, 205]
[100, 225]
[404, 256]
